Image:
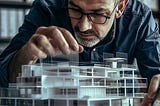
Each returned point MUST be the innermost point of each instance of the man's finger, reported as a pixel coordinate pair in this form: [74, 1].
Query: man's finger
[45, 45]
[56, 35]
[70, 40]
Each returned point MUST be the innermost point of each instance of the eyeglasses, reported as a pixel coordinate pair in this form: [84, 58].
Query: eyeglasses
[93, 17]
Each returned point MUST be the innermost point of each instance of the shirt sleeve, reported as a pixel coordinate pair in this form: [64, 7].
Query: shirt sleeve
[148, 47]
[40, 14]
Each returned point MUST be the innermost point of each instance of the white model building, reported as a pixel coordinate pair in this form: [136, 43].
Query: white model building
[65, 84]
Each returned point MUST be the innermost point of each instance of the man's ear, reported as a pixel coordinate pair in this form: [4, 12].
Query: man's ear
[121, 6]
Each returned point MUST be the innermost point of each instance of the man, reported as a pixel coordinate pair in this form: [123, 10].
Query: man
[85, 27]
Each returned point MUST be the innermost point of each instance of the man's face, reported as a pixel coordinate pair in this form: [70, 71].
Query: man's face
[89, 30]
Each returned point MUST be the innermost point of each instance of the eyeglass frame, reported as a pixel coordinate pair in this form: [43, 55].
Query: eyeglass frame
[90, 18]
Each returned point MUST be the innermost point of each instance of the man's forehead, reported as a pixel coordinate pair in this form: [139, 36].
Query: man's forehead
[99, 6]
[95, 1]
[90, 5]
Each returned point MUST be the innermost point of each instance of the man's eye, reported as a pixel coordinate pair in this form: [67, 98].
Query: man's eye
[75, 10]
[96, 15]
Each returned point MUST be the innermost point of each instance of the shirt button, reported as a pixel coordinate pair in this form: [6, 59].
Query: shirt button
[94, 49]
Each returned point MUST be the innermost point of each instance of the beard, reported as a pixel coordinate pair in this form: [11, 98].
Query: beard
[87, 42]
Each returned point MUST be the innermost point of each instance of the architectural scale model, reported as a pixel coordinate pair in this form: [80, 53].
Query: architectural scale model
[111, 83]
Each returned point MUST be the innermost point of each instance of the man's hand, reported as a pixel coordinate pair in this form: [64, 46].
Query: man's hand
[153, 88]
[50, 41]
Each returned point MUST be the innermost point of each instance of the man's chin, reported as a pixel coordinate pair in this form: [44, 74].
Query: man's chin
[88, 43]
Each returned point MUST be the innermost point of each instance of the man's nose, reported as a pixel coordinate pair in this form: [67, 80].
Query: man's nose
[84, 24]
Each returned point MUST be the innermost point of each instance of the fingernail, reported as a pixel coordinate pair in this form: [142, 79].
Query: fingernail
[81, 48]
[75, 47]
[67, 51]
[43, 55]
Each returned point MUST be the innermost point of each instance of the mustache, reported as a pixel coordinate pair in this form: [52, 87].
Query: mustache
[90, 31]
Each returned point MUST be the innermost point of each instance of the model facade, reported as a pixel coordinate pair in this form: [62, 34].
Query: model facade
[110, 83]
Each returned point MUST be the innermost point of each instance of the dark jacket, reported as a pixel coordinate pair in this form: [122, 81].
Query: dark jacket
[135, 33]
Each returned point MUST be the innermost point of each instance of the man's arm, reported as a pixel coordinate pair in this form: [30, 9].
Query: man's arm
[152, 91]
[147, 54]
[50, 41]
[41, 14]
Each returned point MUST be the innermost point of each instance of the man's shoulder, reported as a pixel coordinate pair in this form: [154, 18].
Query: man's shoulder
[50, 3]
[136, 7]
